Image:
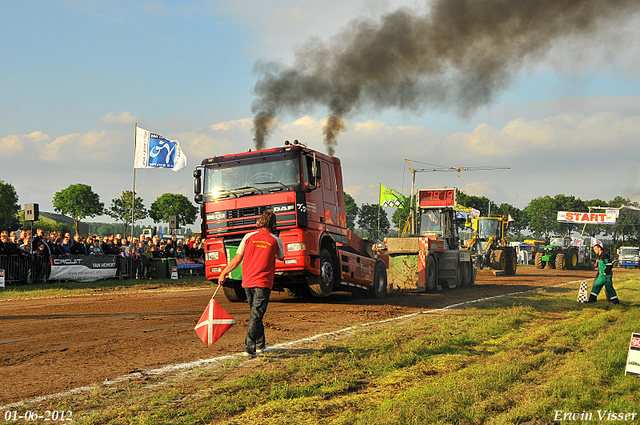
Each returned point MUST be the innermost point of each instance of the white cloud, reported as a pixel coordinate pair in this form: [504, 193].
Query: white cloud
[123, 119]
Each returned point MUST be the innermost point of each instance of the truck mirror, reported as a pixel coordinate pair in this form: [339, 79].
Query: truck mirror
[197, 185]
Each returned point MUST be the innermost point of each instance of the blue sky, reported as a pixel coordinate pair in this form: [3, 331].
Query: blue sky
[78, 74]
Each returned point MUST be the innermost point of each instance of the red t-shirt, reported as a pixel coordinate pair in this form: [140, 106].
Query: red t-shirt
[260, 250]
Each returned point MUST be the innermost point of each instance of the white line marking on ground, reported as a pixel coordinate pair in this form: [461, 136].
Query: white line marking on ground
[192, 365]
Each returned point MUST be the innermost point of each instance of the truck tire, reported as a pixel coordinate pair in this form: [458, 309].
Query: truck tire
[234, 292]
[561, 261]
[467, 273]
[538, 261]
[511, 262]
[322, 285]
[379, 288]
[498, 260]
[431, 273]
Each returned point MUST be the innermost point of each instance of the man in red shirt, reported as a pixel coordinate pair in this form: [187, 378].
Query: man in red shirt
[261, 248]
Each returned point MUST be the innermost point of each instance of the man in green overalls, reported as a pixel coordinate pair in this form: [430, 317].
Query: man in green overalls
[604, 277]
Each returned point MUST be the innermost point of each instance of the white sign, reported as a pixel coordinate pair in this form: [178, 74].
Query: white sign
[586, 218]
[633, 359]
[1, 278]
[614, 211]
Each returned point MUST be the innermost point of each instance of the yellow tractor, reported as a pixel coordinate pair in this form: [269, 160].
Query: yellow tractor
[490, 244]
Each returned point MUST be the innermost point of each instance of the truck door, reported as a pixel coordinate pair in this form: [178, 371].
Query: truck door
[329, 199]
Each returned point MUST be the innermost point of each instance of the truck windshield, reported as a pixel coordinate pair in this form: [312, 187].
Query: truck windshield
[252, 176]
[627, 251]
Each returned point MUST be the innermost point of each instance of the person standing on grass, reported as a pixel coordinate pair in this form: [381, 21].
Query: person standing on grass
[261, 248]
[604, 277]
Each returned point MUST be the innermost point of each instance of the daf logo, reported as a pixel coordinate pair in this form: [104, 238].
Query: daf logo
[283, 208]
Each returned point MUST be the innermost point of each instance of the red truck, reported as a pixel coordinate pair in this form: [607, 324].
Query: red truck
[304, 189]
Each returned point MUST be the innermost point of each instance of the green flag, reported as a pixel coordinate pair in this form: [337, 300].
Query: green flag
[391, 198]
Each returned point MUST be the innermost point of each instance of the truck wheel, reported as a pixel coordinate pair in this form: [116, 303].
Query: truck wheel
[379, 288]
[538, 261]
[431, 272]
[467, 273]
[234, 292]
[321, 286]
[498, 260]
[561, 261]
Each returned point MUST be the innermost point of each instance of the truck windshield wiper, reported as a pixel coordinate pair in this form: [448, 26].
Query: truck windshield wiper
[280, 183]
[247, 187]
[227, 192]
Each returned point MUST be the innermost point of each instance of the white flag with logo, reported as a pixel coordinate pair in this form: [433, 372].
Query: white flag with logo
[155, 151]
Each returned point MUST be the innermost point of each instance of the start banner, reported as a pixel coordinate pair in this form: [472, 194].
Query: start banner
[586, 218]
[84, 268]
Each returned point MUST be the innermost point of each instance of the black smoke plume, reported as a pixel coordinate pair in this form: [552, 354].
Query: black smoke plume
[460, 55]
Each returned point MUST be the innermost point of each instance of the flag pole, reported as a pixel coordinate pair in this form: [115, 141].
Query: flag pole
[133, 190]
[379, 200]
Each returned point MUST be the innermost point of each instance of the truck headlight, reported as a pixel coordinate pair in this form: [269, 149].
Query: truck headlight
[212, 255]
[296, 246]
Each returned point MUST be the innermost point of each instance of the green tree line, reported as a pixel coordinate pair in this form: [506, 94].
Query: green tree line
[79, 202]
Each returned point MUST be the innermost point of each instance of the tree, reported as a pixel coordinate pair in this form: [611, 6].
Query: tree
[625, 227]
[368, 220]
[170, 204]
[79, 202]
[519, 223]
[400, 217]
[481, 203]
[120, 209]
[9, 207]
[352, 211]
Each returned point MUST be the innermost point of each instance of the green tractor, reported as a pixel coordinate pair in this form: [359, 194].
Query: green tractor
[561, 254]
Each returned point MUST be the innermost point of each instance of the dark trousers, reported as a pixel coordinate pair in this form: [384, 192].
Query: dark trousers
[258, 299]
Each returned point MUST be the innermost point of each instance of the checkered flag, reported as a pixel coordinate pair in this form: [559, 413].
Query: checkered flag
[583, 293]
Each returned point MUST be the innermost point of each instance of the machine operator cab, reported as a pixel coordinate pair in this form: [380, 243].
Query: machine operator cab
[431, 223]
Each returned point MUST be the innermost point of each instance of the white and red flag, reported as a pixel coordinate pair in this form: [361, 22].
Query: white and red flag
[213, 323]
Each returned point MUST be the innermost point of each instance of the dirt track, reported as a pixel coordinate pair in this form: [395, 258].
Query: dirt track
[56, 344]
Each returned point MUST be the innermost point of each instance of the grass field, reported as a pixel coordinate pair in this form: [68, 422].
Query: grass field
[504, 361]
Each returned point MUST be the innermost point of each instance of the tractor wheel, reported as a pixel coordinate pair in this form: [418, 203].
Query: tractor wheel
[431, 271]
[379, 288]
[511, 262]
[561, 261]
[572, 262]
[498, 260]
[538, 261]
[234, 292]
[321, 286]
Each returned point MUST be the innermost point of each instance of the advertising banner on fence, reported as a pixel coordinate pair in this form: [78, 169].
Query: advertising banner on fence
[586, 218]
[84, 268]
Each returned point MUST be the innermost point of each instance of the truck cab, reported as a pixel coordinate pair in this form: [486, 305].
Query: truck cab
[304, 189]
[629, 256]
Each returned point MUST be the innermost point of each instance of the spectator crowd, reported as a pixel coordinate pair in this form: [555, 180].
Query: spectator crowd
[25, 255]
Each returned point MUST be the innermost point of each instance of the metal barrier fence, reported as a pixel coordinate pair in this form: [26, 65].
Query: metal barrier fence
[23, 268]
[27, 268]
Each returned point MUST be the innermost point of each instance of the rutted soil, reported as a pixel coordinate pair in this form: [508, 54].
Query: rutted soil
[57, 344]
